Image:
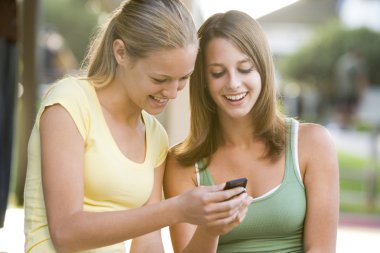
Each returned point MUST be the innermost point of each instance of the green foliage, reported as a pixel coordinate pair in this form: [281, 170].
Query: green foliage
[353, 179]
[74, 20]
[316, 60]
[348, 160]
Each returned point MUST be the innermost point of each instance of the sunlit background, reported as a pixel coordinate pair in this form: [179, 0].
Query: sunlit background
[310, 40]
[255, 8]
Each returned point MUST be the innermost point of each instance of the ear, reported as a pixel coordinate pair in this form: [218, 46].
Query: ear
[119, 51]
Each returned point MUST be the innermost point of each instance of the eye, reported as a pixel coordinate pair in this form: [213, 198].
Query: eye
[185, 78]
[217, 74]
[159, 81]
[245, 70]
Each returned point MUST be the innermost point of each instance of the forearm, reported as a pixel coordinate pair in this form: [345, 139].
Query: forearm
[151, 242]
[321, 243]
[81, 230]
[202, 241]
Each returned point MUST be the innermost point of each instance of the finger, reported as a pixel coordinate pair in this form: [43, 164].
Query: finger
[247, 201]
[224, 195]
[224, 221]
[219, 187]
[235, 191]
[213, 188]
[219, 216]
[226, 208]
[244, 209]
[238, 199]
[241, 217]
[222, 214]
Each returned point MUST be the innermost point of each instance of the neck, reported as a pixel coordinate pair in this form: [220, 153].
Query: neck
[116, 103]
[238, 133]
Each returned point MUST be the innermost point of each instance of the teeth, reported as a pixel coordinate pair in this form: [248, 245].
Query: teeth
[161, 100]
[236, 97]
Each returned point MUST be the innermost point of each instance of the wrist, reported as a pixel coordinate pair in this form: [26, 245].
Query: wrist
[202, 241]
[175, 210]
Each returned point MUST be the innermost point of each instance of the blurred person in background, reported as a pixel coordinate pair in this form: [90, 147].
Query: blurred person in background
[58, 60]
[236, 130]
[96, 154]
[351, 82]
[8, 84]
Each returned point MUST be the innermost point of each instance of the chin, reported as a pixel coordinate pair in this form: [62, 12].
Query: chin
[239, 114]
[154, 111]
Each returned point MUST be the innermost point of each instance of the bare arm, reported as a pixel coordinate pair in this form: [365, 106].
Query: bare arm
[71, 228]
[203, 238]
[321, 179]
[151, 242]
[174, 184]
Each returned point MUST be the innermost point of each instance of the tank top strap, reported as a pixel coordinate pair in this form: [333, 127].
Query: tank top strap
[291, 162]
[203, 175]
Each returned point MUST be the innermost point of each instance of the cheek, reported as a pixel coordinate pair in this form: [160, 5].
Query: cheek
[215, 83]
[255, 81]
[212, 87]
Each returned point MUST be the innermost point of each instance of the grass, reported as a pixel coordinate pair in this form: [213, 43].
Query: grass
[355, 180]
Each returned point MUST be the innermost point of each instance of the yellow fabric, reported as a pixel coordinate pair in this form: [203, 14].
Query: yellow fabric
[111, 181]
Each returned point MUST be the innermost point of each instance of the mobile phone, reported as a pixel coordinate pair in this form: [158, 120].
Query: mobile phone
[236, 183]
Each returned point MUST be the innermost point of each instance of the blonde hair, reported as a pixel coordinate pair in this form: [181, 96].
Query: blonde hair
[269, 124]
[144, 26]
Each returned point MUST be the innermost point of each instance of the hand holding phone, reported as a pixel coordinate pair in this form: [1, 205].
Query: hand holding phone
[239, 182]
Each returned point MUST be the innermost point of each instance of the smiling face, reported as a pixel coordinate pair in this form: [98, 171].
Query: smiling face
[152, 81]
[233, 81]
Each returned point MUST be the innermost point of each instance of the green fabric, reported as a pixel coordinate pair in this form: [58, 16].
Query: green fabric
[275, 222]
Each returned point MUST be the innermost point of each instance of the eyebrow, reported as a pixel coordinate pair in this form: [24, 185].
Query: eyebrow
[169, 77]
[220, 64]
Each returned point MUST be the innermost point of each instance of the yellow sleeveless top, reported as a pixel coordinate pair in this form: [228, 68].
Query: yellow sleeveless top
[111, 181]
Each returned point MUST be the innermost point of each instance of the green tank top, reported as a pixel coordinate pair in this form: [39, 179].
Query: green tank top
[275, 221]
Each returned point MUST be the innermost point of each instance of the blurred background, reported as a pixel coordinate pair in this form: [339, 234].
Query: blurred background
[327, 56]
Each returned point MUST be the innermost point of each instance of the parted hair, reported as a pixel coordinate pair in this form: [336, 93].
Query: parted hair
[144, 26]
[205, 132]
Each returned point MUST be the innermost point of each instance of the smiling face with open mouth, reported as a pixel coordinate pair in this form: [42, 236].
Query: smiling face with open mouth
[233, 80]
[151, 82]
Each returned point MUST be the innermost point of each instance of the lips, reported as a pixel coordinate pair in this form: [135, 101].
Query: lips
[236, 97]
[159, 101]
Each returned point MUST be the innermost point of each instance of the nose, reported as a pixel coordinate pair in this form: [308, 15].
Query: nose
[171, 90]
[234, 81]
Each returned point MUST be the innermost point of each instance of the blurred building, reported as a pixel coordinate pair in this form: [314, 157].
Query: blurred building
[360, 13]
[287, 29]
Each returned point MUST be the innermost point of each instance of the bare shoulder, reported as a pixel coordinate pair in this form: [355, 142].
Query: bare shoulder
[54, 111]
[173, 166]
[316, 147]
[171, 161]
[58, 118]
[311, 134]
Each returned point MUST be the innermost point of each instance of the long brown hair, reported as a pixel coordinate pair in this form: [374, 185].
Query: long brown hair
[144, 26]
[205, 131]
